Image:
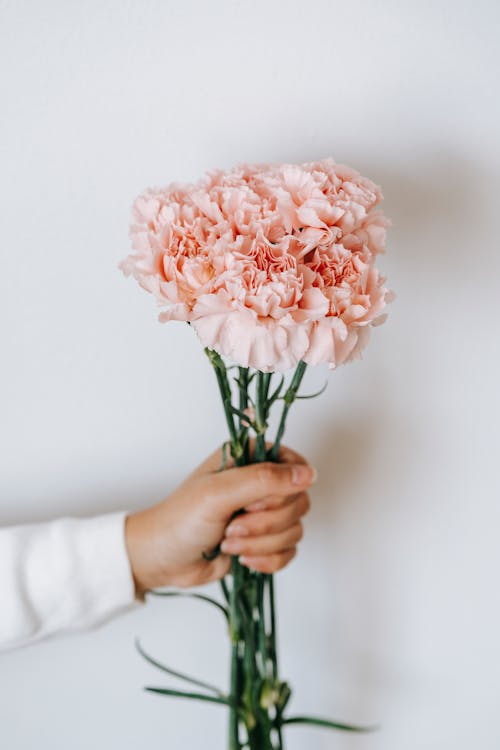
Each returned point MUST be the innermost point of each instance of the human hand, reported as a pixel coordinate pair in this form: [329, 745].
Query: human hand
[166, 542]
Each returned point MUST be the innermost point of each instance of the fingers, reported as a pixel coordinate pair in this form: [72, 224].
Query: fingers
[269, 502]
[266, 541]
[269, 563]
[243, 486]
[213, 462]
[289, 456]
[218, 568]
[271, 521]
[269, 544]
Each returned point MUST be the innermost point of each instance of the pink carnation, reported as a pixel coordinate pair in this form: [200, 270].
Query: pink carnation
[270, 263]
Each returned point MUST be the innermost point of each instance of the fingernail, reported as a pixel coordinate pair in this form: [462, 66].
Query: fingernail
[260, 505]
[248, 561]
[302, 473]
[236, 529]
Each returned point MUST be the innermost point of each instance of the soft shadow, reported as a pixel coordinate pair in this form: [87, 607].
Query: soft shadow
[344, 452]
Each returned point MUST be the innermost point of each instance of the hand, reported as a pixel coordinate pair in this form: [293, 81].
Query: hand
[165, 543]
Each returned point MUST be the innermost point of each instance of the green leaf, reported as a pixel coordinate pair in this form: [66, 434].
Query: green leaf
[225, 591]
[175, 673]
[244, 437]
[225, 446]
[224, 701]
[274, 395]
[318, 722]
[241, 414]
[285, 693]
[187, 595]
[314, 395]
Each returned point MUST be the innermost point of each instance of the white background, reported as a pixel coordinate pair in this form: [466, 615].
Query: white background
[391, 614]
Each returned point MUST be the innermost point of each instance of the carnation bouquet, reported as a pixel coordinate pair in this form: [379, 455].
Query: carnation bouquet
[273, 265]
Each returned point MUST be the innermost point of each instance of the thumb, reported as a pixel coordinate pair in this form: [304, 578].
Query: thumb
[238, 487]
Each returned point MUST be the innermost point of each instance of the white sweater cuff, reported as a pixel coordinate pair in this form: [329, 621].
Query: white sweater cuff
[65, 574]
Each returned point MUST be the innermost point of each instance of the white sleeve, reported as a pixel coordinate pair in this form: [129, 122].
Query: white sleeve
[65, 574]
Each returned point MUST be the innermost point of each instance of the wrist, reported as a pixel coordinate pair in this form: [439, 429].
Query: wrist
[140, 547]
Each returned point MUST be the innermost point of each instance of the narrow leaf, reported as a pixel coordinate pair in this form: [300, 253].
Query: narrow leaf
[201, 597]
[318, 722]
[175, 673]
[225, 591]
[314, 395]
[274, 395]
[193, 696]
[241, 414]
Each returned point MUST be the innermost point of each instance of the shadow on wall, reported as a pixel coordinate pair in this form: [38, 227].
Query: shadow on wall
[437, 206]
[370, 452]
[356, 456]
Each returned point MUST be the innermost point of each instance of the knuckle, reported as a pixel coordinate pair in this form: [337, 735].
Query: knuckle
[264, 526]
[298, 532]
[288, 455]
[276, 502]
[209, 493]
[261, 565]
[306, 504]
[245, 548]
[283, 559]
[295, 510]
[266, 474]
[272, 563]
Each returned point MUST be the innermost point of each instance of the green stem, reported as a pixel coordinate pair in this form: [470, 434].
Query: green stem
[236, 666]
[254, 665]
[260, 417]
[243, 382]
[225, 392]
[273, 651]
[262, 635]
[234, 609]
[272, 611]
[243, 387]
[288, 398]
[267, 642]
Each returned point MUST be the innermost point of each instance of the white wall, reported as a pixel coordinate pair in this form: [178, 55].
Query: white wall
[391, 614]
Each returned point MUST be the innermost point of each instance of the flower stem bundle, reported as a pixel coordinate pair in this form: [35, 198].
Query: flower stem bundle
[257, 696]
